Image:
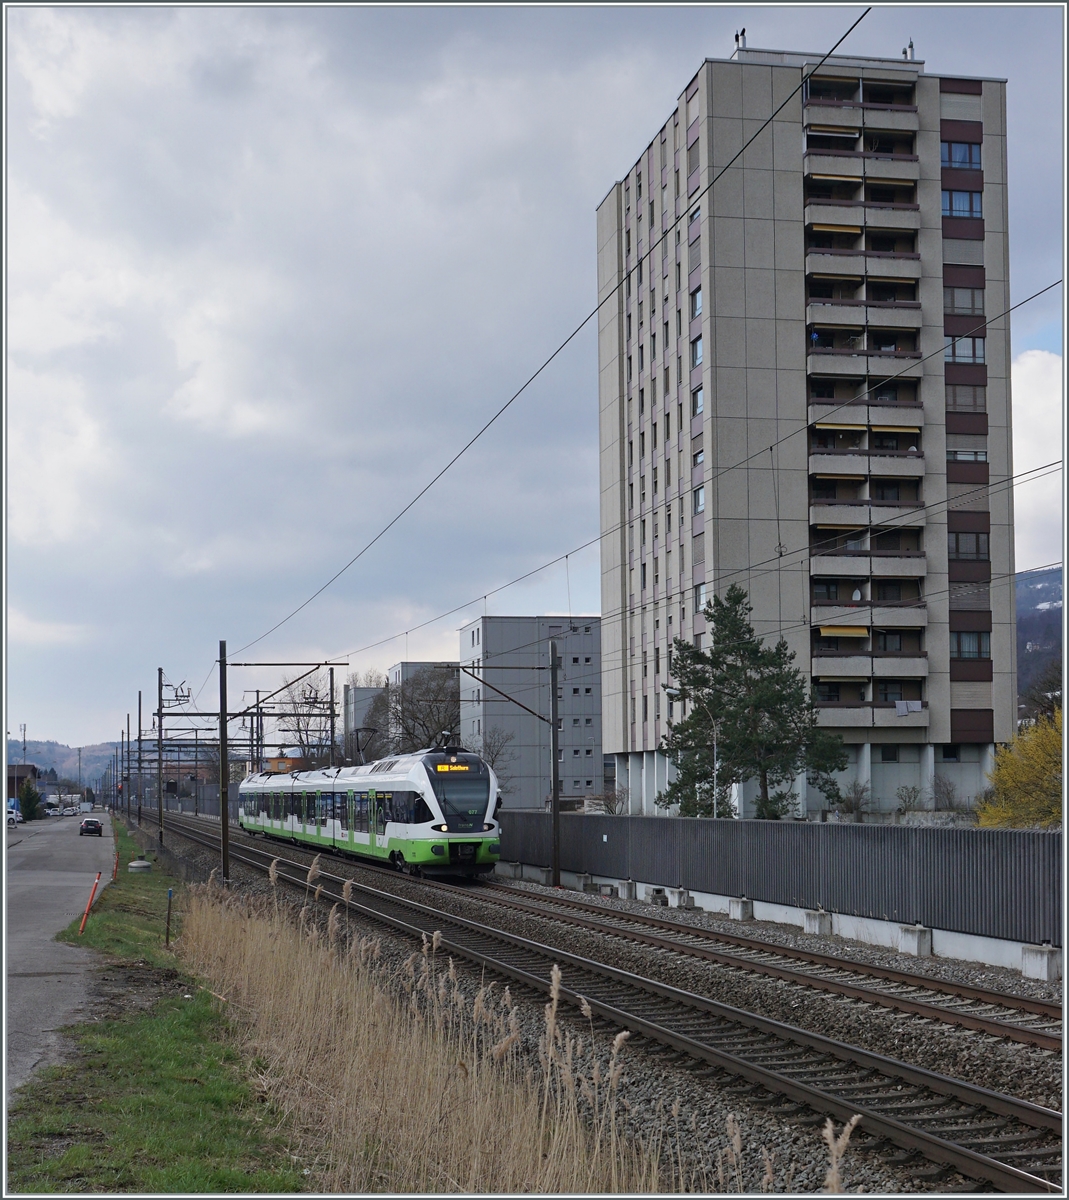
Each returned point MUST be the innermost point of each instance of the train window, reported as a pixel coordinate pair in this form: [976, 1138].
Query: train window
[308, 807]
[360, 812]
[342, 810]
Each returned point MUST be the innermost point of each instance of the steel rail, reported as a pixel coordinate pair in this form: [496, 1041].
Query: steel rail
[543, 906]
[877, 1080]
[990, 996]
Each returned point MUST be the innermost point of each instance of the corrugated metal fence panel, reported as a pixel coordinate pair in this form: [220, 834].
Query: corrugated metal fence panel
[992, 883]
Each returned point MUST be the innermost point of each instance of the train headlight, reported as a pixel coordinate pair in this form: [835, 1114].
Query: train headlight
[440, 828]
[488, 825]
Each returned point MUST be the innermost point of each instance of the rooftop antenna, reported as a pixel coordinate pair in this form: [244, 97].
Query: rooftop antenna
[911, 54]
[742, 38]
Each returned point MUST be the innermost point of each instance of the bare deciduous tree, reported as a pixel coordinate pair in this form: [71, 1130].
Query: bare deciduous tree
[612, 802]
[494, 746]
[307, 721]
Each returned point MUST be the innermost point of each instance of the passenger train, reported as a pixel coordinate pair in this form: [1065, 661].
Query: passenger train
[429, 813]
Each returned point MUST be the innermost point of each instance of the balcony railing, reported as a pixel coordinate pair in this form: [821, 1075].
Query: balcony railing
[870, 653]
[864, 703]
[821, 102]
[863, 154]
[905, 205]
[870, 453]
[862, 251]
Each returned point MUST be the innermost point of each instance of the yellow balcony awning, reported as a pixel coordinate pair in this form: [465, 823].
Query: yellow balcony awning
[844, 428]
[893, 429]
[857, 631]
[836, 228]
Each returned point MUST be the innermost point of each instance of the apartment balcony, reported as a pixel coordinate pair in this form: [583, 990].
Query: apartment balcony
[900, 666]
[892, 117]
[882, 714]
[908, 614]
[854, 616]
[841, 262]
[904, 565]
[905, 514]
[834, 212]
[892, 216]
[890, 166]
[848, 666]
[844, 716]
[855, 565]
[907, 464]
[905, 415]
[823, 162]
[899, 314]
[885, 716]
[831, 462]
[835, 312]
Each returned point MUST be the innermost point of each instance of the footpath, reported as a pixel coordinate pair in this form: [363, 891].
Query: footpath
[50, 873]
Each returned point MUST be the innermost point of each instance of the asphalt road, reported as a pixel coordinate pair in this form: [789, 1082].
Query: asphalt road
[50, 873]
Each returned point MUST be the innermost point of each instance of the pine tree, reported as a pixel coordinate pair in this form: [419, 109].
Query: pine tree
[750, 701]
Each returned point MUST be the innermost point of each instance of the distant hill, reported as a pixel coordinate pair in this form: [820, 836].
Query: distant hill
[1039, 624]
[64, 759]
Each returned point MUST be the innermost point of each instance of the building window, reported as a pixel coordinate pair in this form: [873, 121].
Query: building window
[967, 456]
[963, 204]
[962, 301]
[697, 401]
[642, 577]
[629, 368]
[699, 597]
[888, 592]
[645, 709]
[589, 721]
[962, 156]
[827, 693]
[888, 754]
[825, 589]
[699, 500]
[966, 398]
[963, 349]
[968, 547]
[889, 643]
[695, 352]
[888, 493]
[627, 241]
[889, 690]
[698, 458]
[696, 303]
[970, 645]
[575, 754]
[951, 754]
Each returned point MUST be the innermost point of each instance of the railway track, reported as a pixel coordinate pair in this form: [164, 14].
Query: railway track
[981, 1133]
[1017, 1018]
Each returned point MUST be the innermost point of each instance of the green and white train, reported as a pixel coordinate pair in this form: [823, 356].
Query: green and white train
[428, 813]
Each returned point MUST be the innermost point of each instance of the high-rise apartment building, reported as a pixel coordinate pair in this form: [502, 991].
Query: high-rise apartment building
[508, 660]
[782, 407]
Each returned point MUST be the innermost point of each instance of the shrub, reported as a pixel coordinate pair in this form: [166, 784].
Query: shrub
[1026, 784]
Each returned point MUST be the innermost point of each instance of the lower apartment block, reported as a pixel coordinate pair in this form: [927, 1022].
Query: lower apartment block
[804, 389]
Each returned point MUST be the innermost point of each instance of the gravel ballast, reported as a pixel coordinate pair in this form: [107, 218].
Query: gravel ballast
[654, 1080]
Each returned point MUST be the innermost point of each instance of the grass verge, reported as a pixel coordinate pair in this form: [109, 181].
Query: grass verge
[154, 1098]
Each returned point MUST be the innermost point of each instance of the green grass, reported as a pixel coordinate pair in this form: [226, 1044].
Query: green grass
[154, 1101]
[129, 918]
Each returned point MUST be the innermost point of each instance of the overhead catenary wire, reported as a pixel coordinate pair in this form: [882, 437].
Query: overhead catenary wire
[554, 355]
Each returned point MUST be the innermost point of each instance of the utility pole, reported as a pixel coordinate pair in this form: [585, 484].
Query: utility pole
[554, 765]
[139, 783]
[122, 760]
[159, 748]
[196, 772]
[126, 782]
[80, 792]
[224, 769]
[23, 728]
[332, 716]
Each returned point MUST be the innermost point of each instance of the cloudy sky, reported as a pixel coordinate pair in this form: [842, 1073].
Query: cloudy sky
[268, 269]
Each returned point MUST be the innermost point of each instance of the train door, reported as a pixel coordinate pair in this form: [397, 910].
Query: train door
[372, 818]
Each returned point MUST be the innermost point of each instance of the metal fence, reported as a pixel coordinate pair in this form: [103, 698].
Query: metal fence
[990, 882]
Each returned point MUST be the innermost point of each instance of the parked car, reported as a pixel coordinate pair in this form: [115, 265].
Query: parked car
[91, 826]
[70, 811]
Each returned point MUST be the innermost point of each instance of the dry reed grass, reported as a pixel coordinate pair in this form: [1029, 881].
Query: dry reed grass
[402, 1082]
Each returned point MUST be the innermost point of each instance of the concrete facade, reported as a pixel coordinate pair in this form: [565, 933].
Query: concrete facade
[779, 409]
[511, 654]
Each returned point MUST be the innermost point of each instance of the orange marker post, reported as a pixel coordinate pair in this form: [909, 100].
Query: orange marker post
[96, 882]
[115, 869]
